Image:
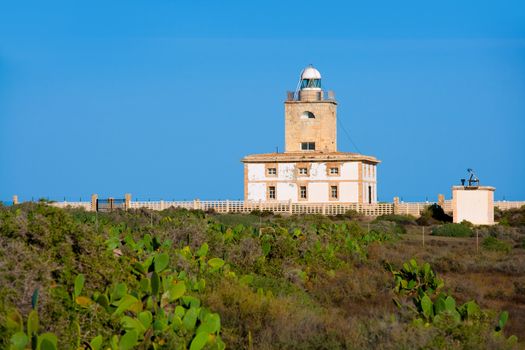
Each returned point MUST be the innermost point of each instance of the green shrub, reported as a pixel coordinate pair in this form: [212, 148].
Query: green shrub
[253, 219]
[511, 217]
[433, 214]
[496, 245]
[467, 223]
[452, 230]
[262, 213]
[400, 219]
[350, 215]
[434, 308]
[388, 227]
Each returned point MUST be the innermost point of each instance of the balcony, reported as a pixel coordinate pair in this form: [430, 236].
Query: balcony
[310, 95]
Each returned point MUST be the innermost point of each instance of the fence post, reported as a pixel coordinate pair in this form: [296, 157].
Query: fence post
[396, 205]
[441, 201]
[227, 205]
[195, 204]
[290, 209]
[94, 198]
[477, 241]
[161, 205]
[324, 208]
[127, 201]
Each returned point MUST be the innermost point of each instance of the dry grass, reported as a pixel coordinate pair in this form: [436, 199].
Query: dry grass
[493, 279]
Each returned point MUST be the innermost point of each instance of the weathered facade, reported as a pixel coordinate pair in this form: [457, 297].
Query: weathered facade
[311, 169]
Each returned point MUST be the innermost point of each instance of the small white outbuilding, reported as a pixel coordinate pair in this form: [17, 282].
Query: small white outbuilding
[474, 204]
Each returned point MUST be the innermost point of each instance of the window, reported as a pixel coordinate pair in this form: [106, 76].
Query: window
[333, 192]
[303, 171]
[271, 192]
[333, 169]
[308, 146]
[307, 115]
[310, 83]
[303, 193]
[272, 171]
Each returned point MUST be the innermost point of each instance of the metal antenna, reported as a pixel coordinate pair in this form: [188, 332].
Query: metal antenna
[296, 93]
[473, 179]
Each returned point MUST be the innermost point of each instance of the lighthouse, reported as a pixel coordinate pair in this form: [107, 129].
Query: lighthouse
[310, 119]
[311, 169]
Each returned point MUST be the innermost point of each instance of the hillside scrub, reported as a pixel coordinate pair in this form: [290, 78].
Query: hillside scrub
[188, 279]
[453, 230]
[433, 214]
[494, 244]
[511, 217]
[397, 218]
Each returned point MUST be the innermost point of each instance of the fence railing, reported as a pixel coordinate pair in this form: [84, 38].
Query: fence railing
[85, 205]
[229, 206]
[505, 205]
[315, 95]
[447, 206]
[410, 208]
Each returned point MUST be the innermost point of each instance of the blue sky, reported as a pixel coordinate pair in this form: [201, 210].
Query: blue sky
[163, 98]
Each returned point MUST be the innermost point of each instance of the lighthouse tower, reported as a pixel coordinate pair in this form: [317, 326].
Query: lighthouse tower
[310, 120]
[311, 169]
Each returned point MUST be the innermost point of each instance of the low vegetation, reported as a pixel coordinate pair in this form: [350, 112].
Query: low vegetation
[453, 230]
[497, 245]
[180, 279]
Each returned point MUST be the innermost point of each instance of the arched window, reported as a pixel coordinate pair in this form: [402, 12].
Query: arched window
[307, 115]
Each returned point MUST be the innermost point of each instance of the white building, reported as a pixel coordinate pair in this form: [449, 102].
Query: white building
[474, 204]
[311, 169]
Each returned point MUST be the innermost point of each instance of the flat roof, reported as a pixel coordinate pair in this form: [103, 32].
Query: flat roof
[308, 156]
[473, 188]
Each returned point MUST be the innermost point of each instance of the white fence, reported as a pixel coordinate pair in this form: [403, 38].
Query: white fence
[85, 205]
[227, 206]
[410, 208]
[505, 205]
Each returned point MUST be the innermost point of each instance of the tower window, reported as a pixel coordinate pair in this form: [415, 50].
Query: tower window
[310, 83]
[307, 115]
[303, 171]
[303, 192]
[333, 192]
[271, 192]
[272, 171]
[308, 146]
[334, 171]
